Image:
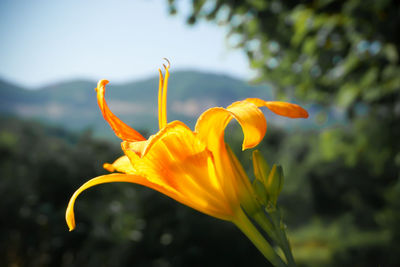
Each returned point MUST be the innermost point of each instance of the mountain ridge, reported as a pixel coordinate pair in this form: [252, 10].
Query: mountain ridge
[73, 104]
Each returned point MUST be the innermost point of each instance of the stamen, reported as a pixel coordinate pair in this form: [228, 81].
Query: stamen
[169, 63]
[160, 90]
[164, 98]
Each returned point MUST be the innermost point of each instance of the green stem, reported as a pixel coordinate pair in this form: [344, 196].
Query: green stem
[276, 233]
[284, 242]
[246, 226]
[266, 225]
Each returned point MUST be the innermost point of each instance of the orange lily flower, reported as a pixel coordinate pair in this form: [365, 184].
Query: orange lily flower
[196, 167]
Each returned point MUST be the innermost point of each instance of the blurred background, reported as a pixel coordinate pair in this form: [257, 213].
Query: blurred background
[339, 59]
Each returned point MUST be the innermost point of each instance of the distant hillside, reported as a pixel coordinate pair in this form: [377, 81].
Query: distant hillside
[73, 104]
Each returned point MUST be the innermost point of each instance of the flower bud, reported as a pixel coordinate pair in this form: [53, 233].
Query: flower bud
[261, 192]
[260, 167]
[274, 183]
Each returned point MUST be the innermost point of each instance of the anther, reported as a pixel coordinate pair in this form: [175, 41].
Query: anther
[169, 63]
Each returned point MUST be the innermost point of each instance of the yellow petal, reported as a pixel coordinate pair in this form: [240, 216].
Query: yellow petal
[122, 164]
[121, 129]
[281, 108]
[211, 124]
[110, 178]
[135, 147]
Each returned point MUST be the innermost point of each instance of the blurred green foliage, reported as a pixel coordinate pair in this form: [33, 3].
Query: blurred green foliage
[327, 51]
[117, 224]
[337, 215]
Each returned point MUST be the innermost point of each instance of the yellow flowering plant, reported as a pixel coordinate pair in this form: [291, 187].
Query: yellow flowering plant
[199, 170]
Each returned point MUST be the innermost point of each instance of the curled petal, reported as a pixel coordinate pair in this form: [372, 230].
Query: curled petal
[211, 124]
[121, 129]
[111, 178]
[281, 108]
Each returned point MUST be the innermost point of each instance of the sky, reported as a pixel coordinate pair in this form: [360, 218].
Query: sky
[48, 41]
